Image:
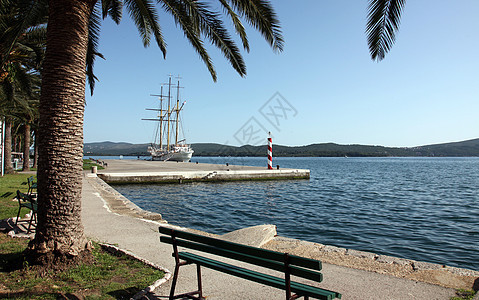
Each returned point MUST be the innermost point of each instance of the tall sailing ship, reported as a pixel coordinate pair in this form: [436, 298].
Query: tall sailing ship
[166, 144]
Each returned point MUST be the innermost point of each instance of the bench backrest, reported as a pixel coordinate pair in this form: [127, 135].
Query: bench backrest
[299, 266]
[31, 184]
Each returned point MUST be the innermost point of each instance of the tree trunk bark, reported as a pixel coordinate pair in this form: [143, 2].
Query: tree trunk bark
[35, 149]
[15, 143]
[8, 146]
[26, 148]
[59, 234]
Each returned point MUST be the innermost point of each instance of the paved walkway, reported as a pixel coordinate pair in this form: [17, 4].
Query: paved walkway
[142, 238]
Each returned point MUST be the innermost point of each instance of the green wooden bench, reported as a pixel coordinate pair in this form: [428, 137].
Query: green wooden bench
[284, 263]
[27, 201]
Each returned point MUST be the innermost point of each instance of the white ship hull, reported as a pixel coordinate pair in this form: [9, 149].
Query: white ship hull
[181, 154]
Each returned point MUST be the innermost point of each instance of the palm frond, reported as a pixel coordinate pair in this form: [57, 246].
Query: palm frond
[186, 23]
[27, 13]
[92, 51]
[145, 16]
[23, 79]
[36, 38]
[260, 15]
[239, 28]
[383, 23]
[210, 24]
[35, 35]
[112, 8]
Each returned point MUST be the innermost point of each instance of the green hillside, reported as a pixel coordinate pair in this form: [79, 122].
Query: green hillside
[111, 148]
[464, 148]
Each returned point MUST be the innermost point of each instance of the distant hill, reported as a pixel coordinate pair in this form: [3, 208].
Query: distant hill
[464, 148]
[112, 148]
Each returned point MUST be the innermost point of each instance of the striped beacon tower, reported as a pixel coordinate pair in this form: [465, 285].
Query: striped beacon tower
[270, 152]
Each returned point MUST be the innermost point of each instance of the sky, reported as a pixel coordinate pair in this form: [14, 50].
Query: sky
[322, 88]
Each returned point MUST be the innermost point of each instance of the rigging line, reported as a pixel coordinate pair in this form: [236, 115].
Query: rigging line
[157, 127]
[182, 127]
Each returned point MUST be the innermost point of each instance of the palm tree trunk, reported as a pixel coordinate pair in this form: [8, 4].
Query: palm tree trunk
[8, 146]
[26, 147]
[59, 233]
[35, 149]
[15, 142]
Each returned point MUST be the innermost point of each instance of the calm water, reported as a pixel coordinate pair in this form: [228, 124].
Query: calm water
[418, 208]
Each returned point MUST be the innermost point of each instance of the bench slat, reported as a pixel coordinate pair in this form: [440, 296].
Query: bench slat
[263, 253]
[277, 282]
[274, 265]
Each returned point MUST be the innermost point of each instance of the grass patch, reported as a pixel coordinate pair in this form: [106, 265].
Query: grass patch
[109, 277]
[88, 163]
[9, 184]
[464, 295]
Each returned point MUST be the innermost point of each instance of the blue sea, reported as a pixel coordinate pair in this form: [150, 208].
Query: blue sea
[425, 209]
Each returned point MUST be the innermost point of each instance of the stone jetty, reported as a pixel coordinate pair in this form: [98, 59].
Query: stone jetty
[142, 171]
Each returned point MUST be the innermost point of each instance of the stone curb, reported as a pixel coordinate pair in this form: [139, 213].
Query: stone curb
[117, 203]
[386, 259]
[437, 274]
[149, 289]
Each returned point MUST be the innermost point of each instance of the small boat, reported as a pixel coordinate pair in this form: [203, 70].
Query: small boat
[166, 145]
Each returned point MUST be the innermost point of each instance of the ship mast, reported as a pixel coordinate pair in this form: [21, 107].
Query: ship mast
[177, 110]
[169, 113]
[161, 118]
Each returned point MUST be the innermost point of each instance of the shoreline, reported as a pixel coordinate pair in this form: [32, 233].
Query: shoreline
[442, 275]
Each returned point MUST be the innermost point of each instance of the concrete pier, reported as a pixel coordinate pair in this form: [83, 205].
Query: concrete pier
[141, 171]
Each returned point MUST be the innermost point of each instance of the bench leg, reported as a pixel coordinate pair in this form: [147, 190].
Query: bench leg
[31, 220]
[18, 215]
[190, 294]
[200, 288]
[173, 283]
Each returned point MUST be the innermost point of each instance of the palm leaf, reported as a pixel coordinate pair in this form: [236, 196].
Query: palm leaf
[143, 13]
[36, 38]
[36, 35]
[383, 23]
[112, 8]
[260, 14]
[183, 19]
[239, 28]
[23, 79]
[27, 13]
[92, 51]
[210, 24]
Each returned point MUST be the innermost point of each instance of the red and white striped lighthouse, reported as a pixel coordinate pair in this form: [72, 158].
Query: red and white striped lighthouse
[270, 152]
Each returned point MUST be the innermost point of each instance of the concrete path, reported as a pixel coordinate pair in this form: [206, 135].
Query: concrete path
[142, 238]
